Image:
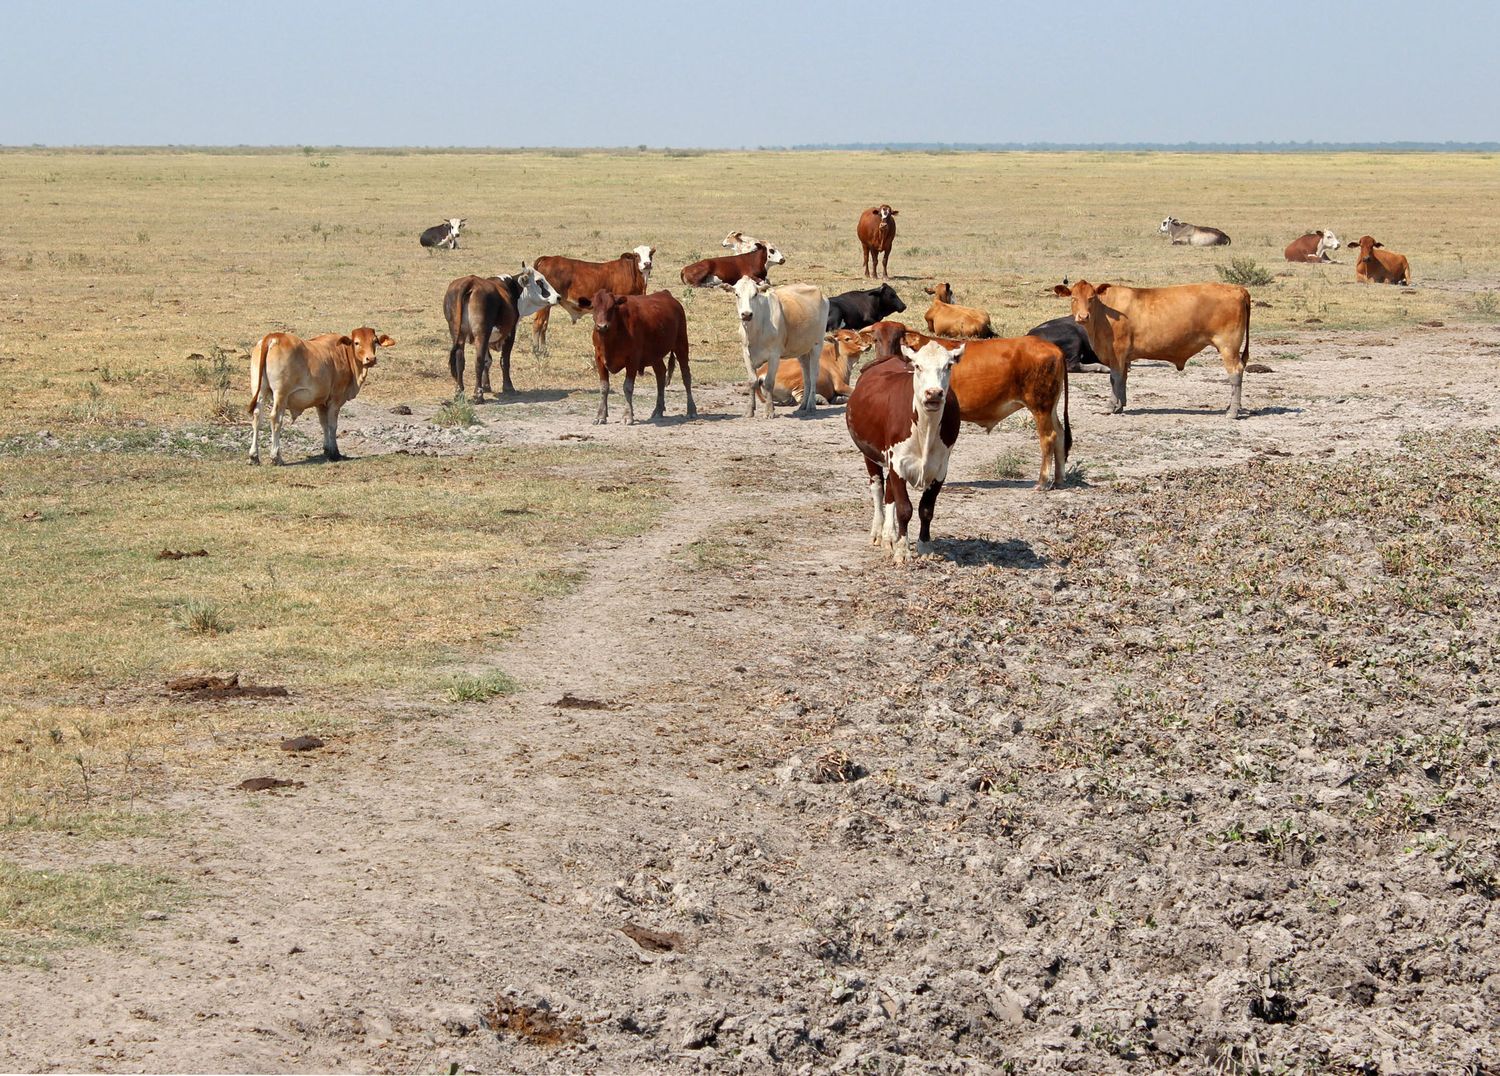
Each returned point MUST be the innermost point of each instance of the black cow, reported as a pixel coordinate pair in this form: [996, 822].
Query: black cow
[857, 309]
[1069, 335]
[444, 236]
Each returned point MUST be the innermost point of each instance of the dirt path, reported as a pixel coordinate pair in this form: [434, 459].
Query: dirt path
[654, 771]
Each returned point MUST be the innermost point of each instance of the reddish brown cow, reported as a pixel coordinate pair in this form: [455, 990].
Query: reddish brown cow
[1379, 266]
[711, 272]
[578, 280]
[1312, 247]
[877, 231]
[904, 421]
[999, 377]
[632, 333]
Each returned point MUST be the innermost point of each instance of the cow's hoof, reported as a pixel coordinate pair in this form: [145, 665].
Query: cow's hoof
[254, 461]
[692, 413]
[278, 462]
[599, 421]
[1041, 487]
[333, 457]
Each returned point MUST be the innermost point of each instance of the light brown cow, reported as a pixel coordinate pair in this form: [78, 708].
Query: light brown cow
[947, 319]
[877, 231]
[325, 372]
[1005, 375]
[840, 351]
[1376, 265]
[1172, 324]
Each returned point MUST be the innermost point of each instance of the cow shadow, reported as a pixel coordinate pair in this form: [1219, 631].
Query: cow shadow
[526, 396]
[1245, 412]
[1007, 553]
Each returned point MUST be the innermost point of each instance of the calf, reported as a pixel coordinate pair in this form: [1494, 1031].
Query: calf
[325, 372]
[1312, 247]
[876, 231]
[841, 349]
[1192, 235]
[1376, 265]
[998, 378]
[778, 323]
[728, 270]
[484, 311]
[740, 243]
[904, 421]
[947, 319]
[576, 281]
[632, 333]
[856, 309]
[1172, 324]
[444, 236]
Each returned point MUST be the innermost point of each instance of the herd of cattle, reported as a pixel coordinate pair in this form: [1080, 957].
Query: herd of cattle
[906, 406]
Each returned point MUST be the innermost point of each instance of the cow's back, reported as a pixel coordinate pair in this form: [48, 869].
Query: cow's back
[1303, 249]
[656, 321]
[1173, 323]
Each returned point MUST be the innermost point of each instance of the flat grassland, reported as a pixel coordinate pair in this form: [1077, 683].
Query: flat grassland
[1191, 763]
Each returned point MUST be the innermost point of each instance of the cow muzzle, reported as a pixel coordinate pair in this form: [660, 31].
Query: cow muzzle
[746, 315]
[932, 399]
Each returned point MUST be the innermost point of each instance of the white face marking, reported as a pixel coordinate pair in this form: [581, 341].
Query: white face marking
[1329, 242]
[774, 256]
[645, 253]
[932, 370]
[745, 295]
[1166, 225]
[885, 213]
[536, 293]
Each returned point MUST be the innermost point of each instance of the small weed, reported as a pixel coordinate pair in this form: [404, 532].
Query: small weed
[200, 617]
[1244, 271]
[218, 376]
[1011, 464]
[1486, 304]
[468, 688]
[143, 237]
[457, 412]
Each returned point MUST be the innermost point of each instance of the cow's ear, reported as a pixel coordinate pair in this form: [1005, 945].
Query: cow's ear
[1377, 244]
[1100, 289]
[1063, 290]
[651, 251]
[346, 341]
[385, 341]
[907, 353]
[894, 212]
[928, 289]
[583, 303]
[957, 353]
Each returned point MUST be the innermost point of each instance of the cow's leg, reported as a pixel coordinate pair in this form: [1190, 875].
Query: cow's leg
[864, 259]
[771, 364]
[629, 396]
[898, 518]
[1117, 389]
[1231, 357]
[481, 363]
[924, 516]
[456, 367]
[809, 361]
[877, 498]
[255, 429]
[506, 385]
[1049, 433]
[886, 264]
[276, 417]
[602, 414]
[539, 329]
[659, 368]
[687, 384]
[331, 433]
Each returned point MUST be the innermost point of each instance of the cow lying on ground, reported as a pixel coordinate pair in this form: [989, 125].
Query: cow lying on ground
[857, 309]
[1192, 235]
[836, 361]
[1172, 324]
[1379, 266]
[728, 270]
[947, 319]
[633, 333]
[325, 372]
[740, 243]
[484, 311]
[999, 377]
[778, 323]
[576, 280]
[877, 233]
[1312, 247]
[1069, 335]
[443, 236]
[904, 420]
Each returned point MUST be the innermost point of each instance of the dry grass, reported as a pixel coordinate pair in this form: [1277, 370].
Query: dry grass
[43, 910]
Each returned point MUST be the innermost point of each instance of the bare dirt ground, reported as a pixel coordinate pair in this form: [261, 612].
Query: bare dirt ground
[1085, 791]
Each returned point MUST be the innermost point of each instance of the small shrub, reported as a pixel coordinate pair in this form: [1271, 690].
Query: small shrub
[468, 688]
[456, 412]
[1486, 303]
[1244, 271]
[200, 617]
[219, 373]
[1010, 464]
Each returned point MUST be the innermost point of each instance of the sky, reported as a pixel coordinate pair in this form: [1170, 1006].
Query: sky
[744, 73]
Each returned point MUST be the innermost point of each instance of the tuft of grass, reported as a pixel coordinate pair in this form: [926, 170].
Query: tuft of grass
[457, 412]
[200, 617]
[42, 911]
[467, 688]
[1244, 271]
[1485, 303]
[1011, 464]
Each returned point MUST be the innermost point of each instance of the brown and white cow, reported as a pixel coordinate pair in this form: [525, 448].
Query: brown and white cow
[779, 323]
[1375, 265]
[484, 311]
[998, 378]
[946, 318]
[1312, 247]
[841, 349]
[576, 280]
[904, 420]
[293, 374]
[633, 333]
[1172, 324]
[876, 231]
[740, 243]
[729, 269]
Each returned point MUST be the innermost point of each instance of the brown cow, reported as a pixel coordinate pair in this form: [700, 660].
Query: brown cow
[1312, 247]
[946, 318]
[632, 333]
[840, 350]
[325, 372]
[712, 272]
[904, 421]
[1376, 265]
[1172, 324]
[484, 311]
[999, 377]
[877, 231]
[577, 280]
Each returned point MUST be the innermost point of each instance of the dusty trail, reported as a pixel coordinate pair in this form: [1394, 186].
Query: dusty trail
[363, 921]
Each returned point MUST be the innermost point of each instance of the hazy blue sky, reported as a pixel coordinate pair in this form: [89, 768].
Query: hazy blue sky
[744, 72]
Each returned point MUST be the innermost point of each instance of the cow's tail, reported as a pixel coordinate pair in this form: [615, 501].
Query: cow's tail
[671, 365]
[258, 369]
[987, 332]
[1245, 347]
[456, 315]
[1062, 364]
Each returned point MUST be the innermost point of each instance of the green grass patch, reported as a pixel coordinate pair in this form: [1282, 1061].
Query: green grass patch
[467, 688]
[42, 911]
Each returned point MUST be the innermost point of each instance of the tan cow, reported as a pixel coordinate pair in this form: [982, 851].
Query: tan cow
[788, 322]
[325, 372]
[840, 350]
[1380, 266]
[947, 319]
[1172, 324]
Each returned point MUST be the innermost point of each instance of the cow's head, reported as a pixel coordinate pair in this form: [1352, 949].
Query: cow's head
[536, 292]
[941, 291]
[1083, 295]
[749, 296]
[644, 255]
[1367, 243]
[885, 213]
[605, 307]
[1327, 240]
[932, 369]
[455, 223]
[887, 338]
[848, 346]
[889, 299]
[739, 242]
[773, 256]
[1166, 225]
[366, 343]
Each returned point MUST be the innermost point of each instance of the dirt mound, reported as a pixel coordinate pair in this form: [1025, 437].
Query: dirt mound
[203, 688]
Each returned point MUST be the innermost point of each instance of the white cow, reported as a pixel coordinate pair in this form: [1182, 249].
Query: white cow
[786, 322]
[740, 243]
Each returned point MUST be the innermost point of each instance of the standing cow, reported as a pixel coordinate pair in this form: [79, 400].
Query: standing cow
[484, 311]
[1192, 235]
[786, 322]
[292, 374]
[904, 421]
[633, 333]
[877, 231]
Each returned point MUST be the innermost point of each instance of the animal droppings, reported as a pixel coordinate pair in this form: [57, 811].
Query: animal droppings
[266, 784]
[302, 743]
[217, 687]
[178, 554]
[541, 1027]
